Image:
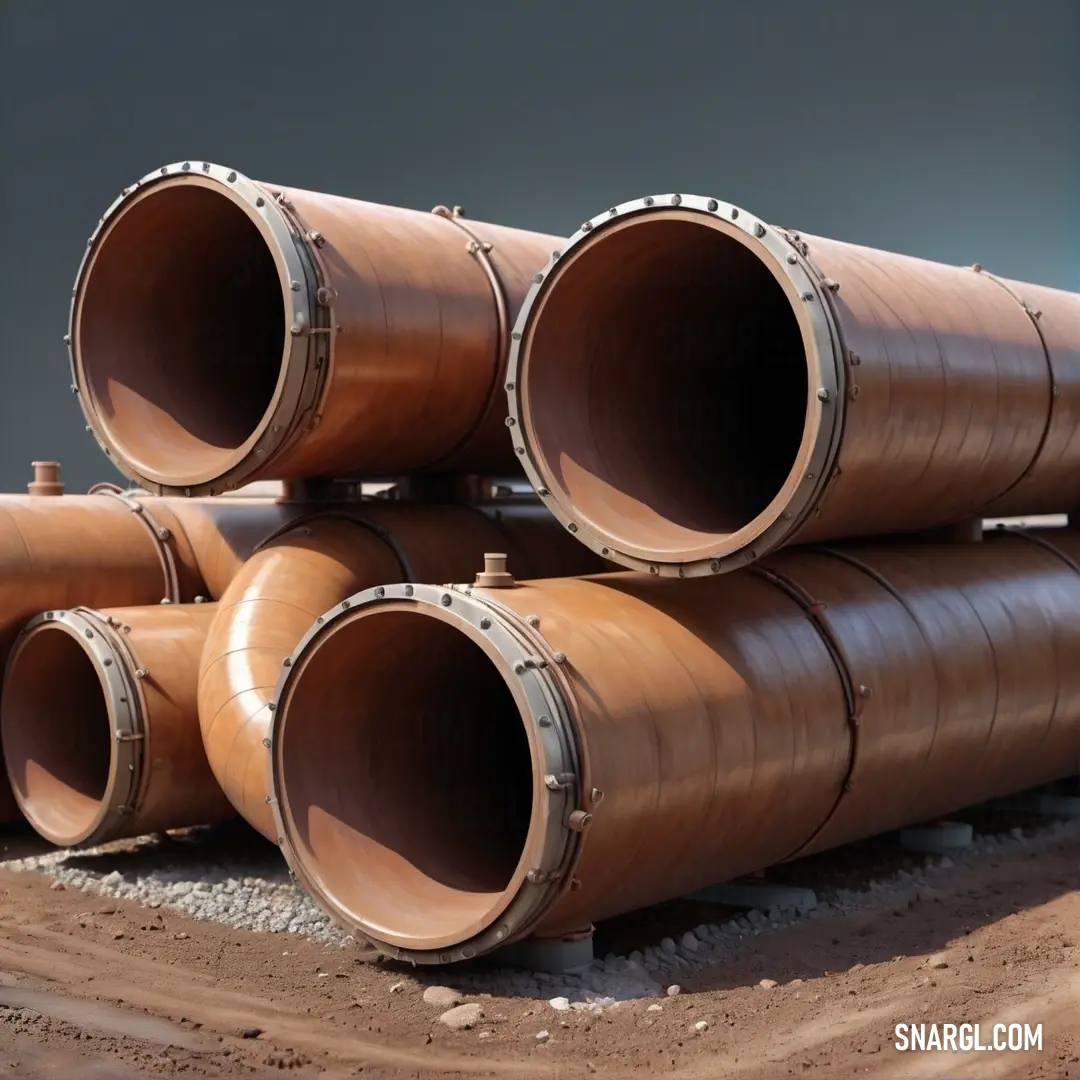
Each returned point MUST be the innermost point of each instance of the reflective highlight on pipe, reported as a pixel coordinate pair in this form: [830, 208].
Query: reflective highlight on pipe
[624, 739]
[100, 728]
[691, 388]
[225, 330]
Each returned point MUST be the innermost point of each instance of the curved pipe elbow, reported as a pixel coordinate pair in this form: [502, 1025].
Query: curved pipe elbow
[304, 572]
[268, 607]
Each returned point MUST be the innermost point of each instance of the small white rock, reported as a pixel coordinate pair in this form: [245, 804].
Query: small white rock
[397, 988]
[701, 1027]
[462, 1017]
[768, 984]
[674, 990]
[542, 1036]
[655, 1008]
[442, 997]
[484, 1035]
[560, 1004]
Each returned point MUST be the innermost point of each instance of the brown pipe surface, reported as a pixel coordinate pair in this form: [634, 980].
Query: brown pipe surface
[691, 388]
[113, 549]
[100, 724]
[224, 331]
[456, 768]
[314, 566]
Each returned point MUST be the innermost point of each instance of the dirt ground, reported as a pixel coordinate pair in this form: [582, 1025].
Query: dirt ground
[97, 987]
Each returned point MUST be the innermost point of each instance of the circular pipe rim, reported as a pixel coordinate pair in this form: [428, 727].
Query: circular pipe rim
[827, 389]
[305, 357]
[126, 712]
[550, 850]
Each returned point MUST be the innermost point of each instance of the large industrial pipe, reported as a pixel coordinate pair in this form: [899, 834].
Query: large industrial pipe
[101, 732]
[224, 330]
[315, 565]
[691, 388]
[111, 549]
[454, 768]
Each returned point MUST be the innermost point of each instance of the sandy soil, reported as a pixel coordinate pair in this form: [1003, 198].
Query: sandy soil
[102, 988]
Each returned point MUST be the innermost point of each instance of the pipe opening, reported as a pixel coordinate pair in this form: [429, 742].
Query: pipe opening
[666, 383]
[181, 330]
[406, 777]
[56, 735]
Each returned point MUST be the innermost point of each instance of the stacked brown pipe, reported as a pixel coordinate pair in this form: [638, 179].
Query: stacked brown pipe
[451, 767]
[261, 333]
[808, 389]
[690, 389]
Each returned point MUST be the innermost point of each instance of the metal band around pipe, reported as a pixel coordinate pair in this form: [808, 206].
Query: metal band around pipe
[160, 536]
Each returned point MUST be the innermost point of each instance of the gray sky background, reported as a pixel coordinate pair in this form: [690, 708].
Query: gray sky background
[948, 129]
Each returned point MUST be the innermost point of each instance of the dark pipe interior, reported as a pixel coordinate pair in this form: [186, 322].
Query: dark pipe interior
[56, 734]
[667, 383]
[407, 774]
[182, 329]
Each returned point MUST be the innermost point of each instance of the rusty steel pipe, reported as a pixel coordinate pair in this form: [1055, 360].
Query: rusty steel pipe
[455, 768]
[101, 730]
[319, 563]
[691, 388]
[224, 331]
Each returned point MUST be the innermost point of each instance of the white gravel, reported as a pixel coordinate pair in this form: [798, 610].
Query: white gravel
[259, 895]
[264, 898]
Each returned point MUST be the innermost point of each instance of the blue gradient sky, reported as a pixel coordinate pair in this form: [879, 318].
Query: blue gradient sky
[945, 128]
